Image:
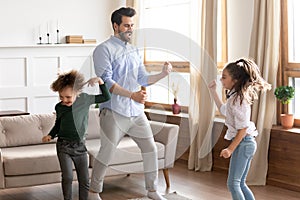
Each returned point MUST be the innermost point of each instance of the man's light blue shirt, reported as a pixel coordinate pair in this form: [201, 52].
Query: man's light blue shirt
[118, 62]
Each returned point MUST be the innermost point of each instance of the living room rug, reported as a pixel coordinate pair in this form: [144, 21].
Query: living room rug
[170, 196]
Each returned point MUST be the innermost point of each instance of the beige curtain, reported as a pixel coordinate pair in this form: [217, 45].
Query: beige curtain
[131, 3]
[201, 108]
[264, 49]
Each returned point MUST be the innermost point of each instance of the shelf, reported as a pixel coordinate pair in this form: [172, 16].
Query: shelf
[166, 113]
[291, 130]
[49, 45]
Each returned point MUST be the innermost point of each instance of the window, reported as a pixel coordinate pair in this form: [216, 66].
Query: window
[178, 17]
[289, 71]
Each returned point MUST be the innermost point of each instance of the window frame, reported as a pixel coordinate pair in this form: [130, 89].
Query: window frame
[178, 66]
[181, 66]
[286, 69]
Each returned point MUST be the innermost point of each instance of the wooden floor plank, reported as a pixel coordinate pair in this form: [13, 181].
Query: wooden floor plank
[194, 185]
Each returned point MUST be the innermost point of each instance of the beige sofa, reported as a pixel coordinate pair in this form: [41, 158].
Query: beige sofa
[26, 161]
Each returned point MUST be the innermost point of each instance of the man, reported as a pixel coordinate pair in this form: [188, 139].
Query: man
[119, 65]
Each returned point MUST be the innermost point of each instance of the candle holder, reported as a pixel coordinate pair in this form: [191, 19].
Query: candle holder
[48, 39]
[40, 39]
[57, 37]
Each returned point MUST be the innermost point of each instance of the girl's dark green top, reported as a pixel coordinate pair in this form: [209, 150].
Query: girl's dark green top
[72, 121]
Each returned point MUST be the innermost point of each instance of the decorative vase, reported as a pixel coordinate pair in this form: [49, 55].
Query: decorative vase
[175, 107]
[287, 120]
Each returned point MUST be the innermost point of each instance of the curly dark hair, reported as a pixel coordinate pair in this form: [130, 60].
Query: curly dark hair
[72, 79]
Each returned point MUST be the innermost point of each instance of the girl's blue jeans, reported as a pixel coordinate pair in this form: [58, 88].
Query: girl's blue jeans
[239, 168]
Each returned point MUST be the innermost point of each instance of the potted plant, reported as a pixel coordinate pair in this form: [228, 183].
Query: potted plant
[284, 94]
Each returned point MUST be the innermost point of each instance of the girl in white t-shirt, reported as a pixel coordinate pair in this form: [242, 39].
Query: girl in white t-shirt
[243, 80]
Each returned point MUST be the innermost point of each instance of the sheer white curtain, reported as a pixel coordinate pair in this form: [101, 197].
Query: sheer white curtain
[264, 50]
[203, 61]
[136, 4]
[201, 108]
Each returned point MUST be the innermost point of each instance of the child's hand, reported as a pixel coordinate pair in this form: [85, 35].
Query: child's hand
[225, 153]
[46, 138]
[94, 80]
[212, 85]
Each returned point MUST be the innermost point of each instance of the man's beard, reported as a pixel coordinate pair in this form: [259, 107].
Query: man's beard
[125, 36]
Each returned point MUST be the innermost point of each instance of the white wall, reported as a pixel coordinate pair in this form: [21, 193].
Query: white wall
[28, 69]
[240, 19]
[21, 20]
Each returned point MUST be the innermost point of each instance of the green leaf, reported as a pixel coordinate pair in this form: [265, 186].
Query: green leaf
[284, 94]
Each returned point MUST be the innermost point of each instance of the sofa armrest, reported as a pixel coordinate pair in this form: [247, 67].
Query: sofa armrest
[166, 134]
[2, 183]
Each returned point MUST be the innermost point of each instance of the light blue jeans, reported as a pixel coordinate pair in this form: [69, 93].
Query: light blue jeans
[238, 169]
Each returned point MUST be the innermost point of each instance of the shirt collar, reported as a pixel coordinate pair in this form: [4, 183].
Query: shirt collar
[230, 93]
[119, 41]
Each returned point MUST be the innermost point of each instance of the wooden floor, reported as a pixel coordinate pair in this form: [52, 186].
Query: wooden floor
[194, 185]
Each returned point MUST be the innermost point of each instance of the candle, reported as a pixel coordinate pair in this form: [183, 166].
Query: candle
[57, 25]
[40, 30]
[47, 27]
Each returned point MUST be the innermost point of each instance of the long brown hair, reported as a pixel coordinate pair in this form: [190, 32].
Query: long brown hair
[248, 79]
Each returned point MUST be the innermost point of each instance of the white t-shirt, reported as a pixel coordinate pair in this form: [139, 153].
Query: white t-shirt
[237, 116]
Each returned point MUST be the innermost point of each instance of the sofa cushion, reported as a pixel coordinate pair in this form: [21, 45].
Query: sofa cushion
[32, 159]
[127, 151]
[13, 131]
[93, 131]
[25, 129]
